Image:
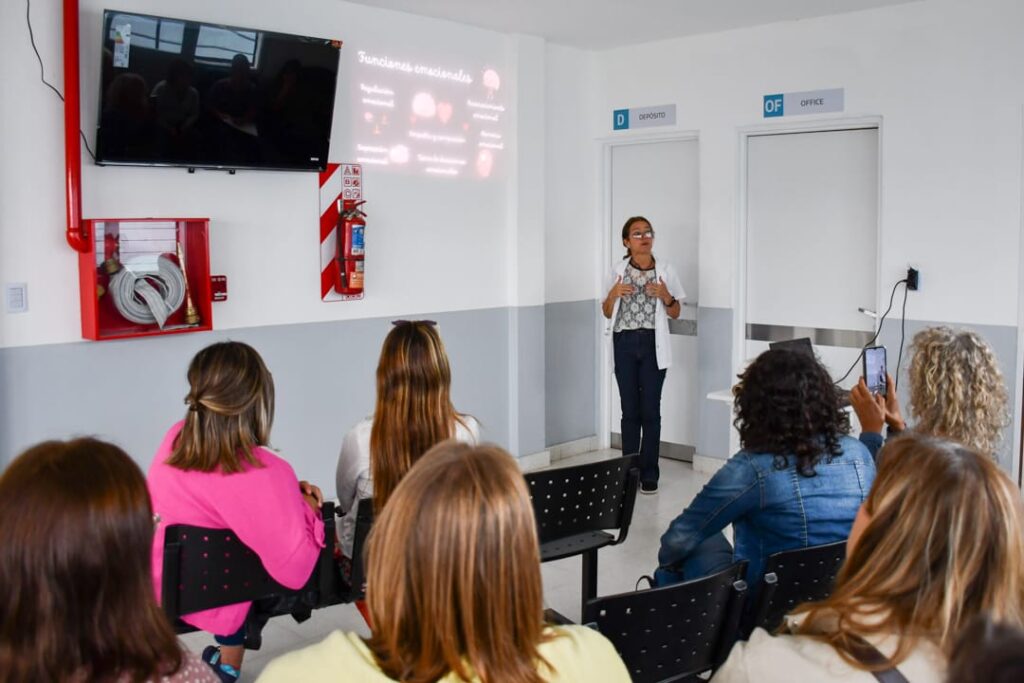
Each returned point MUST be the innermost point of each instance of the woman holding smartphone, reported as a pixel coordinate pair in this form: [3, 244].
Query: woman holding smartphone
[956, 392]
[642, 295]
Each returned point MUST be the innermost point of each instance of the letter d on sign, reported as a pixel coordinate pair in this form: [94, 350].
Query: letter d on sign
[773, 106]
[620, 120]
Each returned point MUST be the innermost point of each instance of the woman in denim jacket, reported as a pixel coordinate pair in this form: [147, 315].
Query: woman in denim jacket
[797, 481]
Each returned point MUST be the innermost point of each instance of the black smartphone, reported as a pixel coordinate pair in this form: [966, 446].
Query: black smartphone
[875, 369]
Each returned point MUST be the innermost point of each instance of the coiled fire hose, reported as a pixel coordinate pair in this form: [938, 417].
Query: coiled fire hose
[146, 297]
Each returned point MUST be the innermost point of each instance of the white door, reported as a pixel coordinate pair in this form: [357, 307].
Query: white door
[659, 180]
[812, 243]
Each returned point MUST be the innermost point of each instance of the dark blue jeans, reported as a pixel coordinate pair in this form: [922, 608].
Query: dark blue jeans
[640, 382]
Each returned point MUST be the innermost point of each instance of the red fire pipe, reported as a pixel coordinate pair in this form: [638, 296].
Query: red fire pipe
[76, 235]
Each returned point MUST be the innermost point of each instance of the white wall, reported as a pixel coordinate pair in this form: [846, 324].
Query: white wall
[433, 244]
[572, 166]
[947, 78]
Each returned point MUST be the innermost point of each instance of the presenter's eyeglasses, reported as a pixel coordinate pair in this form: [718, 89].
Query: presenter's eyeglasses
[649, 234]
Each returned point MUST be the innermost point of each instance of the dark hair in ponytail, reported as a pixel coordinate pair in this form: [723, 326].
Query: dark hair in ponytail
[629, 224]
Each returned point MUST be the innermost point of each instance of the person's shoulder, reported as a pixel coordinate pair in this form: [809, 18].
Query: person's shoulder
[467, 428]
[854, 448]
[361, 429]
[578, 653]
[339, 651]
[193, 670]
[769, 658]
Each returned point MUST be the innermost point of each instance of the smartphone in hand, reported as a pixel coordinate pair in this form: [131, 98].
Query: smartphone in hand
[875, 369]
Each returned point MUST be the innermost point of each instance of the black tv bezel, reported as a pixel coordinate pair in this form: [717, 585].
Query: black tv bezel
[204, 166]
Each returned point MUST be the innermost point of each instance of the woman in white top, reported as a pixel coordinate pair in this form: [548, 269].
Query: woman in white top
[455, 590]
[642, 295]
[939, 540]
[414, 412]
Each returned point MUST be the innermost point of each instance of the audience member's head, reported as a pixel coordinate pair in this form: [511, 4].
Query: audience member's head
[454, 570]
[988, 652]
[786, 405]
[939, 540]
[956, 389]
[77, 601]
[230, 409]
[414, 409]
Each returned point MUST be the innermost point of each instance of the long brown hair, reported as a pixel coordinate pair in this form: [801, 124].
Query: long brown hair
[944, 543]
[414, 409]
[231, 409]
[957, 390]
[76, 591]
[454, 571]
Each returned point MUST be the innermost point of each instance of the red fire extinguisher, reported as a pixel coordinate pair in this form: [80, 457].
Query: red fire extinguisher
[351, 247]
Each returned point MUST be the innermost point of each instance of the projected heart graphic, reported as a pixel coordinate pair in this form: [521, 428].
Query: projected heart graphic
[484, 163]
[423, 105]
[444, 111]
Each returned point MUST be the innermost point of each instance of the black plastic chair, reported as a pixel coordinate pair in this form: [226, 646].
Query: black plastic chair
[206, 568]
[675, 632]
[793, 577]
[575, 506]
[355, 588]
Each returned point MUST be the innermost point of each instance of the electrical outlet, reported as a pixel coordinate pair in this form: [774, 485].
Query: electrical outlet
[913, 279]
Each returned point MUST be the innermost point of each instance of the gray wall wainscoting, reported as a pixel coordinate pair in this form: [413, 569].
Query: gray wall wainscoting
[572, 334]
[130, 392]
[528, 356]
[1002, 339]
[714, 351]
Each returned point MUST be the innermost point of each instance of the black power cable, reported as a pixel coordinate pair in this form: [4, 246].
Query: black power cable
[42, 70]
[881, 321]
[903, 336]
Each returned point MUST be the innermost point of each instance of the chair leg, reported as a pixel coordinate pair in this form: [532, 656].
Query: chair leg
[589, 578]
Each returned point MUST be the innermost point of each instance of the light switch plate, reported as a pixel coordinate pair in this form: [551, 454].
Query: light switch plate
[16, 297]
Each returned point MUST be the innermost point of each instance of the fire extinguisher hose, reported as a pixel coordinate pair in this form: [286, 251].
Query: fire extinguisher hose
[147, 298]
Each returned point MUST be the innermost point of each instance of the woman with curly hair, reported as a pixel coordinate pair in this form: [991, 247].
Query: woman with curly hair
[956, 392]
[797, 481]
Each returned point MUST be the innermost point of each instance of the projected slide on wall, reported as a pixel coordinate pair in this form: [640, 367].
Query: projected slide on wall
[425, 117]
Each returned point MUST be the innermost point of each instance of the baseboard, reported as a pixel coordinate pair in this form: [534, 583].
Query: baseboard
[666, 449]
[561, 451]
[707, 465]
[534, 461]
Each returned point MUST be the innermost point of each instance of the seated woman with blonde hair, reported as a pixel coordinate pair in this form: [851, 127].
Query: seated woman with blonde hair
[956, 392]
[454, 588]
[939, 541]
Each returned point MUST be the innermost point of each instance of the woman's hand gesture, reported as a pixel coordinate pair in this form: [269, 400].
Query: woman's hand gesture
[658, 290]
[620, 289]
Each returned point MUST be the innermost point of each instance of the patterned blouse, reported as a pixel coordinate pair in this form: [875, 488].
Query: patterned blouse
[636, 311]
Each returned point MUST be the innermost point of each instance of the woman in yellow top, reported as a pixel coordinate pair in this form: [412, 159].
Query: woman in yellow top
[454, 588]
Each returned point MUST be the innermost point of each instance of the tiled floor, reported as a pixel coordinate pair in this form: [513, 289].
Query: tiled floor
[619, 567]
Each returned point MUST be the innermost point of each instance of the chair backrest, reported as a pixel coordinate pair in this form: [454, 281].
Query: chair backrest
[795, 576]
[364, 522]
[206, 568]
[592, 497]
[676, 631]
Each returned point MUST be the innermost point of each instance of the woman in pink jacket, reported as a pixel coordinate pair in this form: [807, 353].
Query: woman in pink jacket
[213, 470]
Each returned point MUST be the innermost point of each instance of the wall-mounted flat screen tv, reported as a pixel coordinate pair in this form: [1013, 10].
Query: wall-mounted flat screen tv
[176, 92]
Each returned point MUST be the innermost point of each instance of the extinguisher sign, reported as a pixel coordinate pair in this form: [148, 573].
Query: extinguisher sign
[339, 182]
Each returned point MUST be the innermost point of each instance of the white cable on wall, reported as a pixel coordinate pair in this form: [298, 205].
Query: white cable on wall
[146, 297]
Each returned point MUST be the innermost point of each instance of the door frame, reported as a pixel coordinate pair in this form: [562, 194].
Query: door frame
[604, 361]
[739, 298]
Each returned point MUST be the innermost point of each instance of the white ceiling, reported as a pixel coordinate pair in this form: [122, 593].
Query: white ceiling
[602, 24]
